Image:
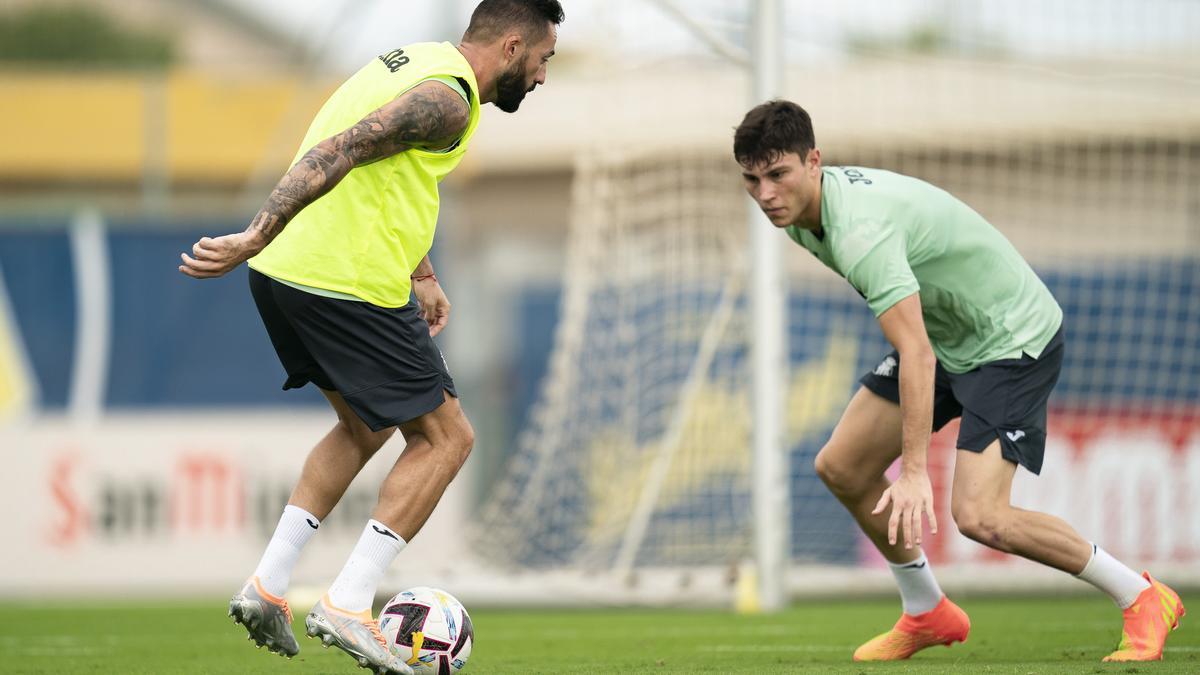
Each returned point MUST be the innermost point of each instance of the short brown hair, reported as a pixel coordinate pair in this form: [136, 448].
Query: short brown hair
[771, 130]
[492, 18]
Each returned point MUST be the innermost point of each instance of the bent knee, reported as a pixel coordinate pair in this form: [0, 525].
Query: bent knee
[838, 475]
[453, 441]
[977, 521]
[463, 440]
[364, 438]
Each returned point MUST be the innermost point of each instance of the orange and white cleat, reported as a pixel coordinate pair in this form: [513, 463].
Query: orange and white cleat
[942, 625]
[357, 634]
[1155, 613]
[267, 618]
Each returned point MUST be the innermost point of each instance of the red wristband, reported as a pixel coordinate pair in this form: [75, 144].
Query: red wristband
[423, 277]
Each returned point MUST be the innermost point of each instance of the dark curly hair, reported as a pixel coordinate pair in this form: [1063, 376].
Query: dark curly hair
[771, 130]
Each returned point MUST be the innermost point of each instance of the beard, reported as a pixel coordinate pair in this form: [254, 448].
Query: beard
[510, 88]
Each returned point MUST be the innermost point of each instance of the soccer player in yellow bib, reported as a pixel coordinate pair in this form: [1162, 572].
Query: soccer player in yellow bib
[335, 254]
[977, 335]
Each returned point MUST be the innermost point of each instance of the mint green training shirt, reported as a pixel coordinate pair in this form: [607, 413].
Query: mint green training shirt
[891, 236]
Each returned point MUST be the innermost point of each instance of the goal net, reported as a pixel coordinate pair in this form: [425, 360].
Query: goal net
[638, 453]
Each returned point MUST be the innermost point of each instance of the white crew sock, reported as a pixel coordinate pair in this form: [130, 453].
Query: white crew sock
[354, 588]
[1110, 575]
[919, 591]
[274, 570]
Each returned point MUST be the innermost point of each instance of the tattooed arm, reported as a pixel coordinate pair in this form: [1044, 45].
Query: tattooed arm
[430, 115]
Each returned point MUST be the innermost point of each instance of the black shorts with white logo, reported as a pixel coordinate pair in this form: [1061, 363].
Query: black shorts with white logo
[1004, 400]
[381, 360]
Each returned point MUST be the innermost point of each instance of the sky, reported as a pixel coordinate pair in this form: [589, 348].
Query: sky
[349, 32]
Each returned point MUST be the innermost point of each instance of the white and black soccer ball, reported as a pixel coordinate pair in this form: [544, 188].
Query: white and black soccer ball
[429, 629]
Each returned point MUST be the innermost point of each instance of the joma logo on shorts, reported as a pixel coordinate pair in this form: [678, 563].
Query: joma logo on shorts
[886, 368]
[1015, 436]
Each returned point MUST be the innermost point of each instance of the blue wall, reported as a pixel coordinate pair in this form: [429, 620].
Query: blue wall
[176, 342]
[181, 342]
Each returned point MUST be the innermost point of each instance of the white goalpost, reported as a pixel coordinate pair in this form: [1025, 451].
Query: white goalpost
[768, 309]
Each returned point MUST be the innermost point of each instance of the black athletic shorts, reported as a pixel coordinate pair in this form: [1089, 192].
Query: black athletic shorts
[1003, 400]
[380, 359]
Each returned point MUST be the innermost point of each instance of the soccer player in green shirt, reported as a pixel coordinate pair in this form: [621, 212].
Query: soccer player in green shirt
[341, 277]
[977, 335]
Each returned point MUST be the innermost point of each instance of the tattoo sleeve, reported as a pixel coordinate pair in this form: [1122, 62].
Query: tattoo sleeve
[430, 115]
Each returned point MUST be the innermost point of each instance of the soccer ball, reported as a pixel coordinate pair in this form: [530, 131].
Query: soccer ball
[429, 629]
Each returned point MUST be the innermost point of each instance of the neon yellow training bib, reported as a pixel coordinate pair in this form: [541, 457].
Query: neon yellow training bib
[367, 235]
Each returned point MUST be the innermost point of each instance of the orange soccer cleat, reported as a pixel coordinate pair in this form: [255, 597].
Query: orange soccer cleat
[942, 625]
[357, 634]
[267, 618]
[1154, 613]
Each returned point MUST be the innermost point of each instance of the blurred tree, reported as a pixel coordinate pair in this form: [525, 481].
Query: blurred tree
[79, 35]
[922, 38]
[928, 38]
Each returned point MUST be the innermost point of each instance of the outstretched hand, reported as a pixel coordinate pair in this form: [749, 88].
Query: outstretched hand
[213, 257]
[910, 496]
[435, 306]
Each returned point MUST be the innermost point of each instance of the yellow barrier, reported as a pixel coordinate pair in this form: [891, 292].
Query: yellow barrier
[199, 127]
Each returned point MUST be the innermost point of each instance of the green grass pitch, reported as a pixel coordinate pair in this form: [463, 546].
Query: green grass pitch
[1025, 636]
